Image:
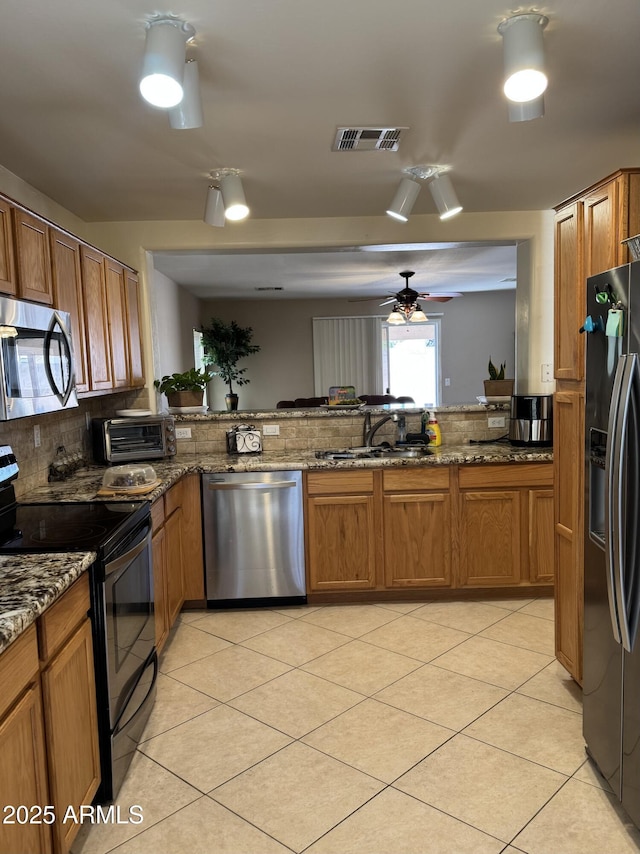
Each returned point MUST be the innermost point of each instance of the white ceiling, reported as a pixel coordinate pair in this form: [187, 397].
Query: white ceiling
[278, 77]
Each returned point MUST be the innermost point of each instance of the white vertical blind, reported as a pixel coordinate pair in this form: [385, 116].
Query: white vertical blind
[347, 351]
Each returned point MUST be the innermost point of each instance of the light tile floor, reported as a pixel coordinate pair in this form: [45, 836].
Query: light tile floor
[395, 728]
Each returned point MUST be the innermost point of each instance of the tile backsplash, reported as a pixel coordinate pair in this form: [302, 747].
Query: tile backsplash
[68, 429]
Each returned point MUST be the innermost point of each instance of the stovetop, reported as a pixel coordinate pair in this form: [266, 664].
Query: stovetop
[79, 526]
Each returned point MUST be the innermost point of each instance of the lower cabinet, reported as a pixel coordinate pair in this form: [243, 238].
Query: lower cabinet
[425, 527]
[178, 568]
[49, 754]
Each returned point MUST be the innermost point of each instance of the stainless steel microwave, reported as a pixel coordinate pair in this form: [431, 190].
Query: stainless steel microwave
[124, 440]
[36, 359]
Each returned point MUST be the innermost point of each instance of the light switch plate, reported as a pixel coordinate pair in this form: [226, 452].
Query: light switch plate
[496, 421]
[271, 430]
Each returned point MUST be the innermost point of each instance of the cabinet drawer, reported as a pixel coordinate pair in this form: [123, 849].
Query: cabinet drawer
[58, 622]
[173, 499]
[340, 482]
[416, 479]
[18, 666]
[157, 514]
[509, 474]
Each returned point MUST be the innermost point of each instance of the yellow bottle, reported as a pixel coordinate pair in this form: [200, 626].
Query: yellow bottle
[434, 432]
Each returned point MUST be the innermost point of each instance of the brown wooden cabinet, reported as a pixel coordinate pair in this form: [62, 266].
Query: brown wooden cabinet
[417, 527]
[589, 228]
[23, 768]
[192, 551]
[342, 538]
[33, 260]
[66, 271]
[69, 699]
[96, 319]
[8, 284]
[134, 332]
[118, 332]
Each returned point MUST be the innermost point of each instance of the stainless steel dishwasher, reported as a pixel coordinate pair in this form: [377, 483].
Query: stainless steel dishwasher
[253, 538]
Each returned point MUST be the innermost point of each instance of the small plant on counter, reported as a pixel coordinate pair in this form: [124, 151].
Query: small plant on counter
[195, 379]
[495, 373]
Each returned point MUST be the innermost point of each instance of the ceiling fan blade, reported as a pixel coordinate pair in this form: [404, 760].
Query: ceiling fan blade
[441, 297]
[368, 299]
[388, 301]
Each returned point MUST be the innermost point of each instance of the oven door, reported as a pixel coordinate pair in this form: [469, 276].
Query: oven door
[36, 360]
[130, 629]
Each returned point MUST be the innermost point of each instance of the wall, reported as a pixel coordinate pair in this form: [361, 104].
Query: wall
[474, 327]
[174, 314]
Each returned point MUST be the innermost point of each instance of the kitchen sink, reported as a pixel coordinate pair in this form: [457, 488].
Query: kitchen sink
[376, 452]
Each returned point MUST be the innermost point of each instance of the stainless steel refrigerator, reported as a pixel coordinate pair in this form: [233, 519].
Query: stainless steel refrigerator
[611, 687]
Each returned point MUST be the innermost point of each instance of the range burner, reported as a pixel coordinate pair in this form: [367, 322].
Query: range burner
[61, 534]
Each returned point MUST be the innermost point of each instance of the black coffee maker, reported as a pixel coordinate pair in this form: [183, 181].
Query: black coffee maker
[531, 420]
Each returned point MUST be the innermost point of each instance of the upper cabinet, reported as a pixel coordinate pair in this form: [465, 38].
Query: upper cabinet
[43, 263]
[33, 261]
[8, 283]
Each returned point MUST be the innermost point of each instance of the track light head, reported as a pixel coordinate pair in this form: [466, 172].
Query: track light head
[525, 111]
[444, 196]
[230, 183]
[164, 59]
[524, 74]
[214, 207]
[404, 200]
[188, 113]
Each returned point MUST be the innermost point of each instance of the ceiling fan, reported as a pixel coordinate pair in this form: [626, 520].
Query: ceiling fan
[408, 297]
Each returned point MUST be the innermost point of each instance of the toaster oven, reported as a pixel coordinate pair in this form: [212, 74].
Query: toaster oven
[122, 440]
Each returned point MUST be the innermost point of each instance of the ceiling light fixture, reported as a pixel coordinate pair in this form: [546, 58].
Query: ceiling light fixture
[524, 75]
[404, 199]
[230, 183]
[524, 111]
[188, 113]
[440, 187]
[164, 61]
[214, 207]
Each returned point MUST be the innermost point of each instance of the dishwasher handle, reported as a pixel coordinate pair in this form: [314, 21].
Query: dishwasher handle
[258, 484]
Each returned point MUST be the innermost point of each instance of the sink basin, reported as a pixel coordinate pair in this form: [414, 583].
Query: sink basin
[376, 453]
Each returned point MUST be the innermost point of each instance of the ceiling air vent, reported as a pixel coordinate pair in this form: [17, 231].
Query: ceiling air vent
[268, 288]
[368, 139]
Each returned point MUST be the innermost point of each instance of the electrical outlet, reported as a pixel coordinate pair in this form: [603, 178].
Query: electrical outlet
[36, 435]
[447, 381]
[271, 430]
[183, 432]
[496, 421]
[546, 374]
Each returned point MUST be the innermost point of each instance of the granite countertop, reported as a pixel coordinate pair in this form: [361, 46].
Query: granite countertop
[30, 583]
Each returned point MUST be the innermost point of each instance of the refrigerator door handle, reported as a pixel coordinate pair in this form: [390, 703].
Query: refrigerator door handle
[613, 492]
[629, 604]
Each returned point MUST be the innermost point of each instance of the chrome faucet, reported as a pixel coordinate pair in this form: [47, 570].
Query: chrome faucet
[369, 430]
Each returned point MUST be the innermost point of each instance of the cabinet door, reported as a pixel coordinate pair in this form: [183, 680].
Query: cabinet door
[541, 536]
[490, 538]
[134, 333]
[114, 274]
[158, 548]
[568, 442]
[97, 324]
[341, 542]
[175, 575]
[192, 556]
[33, 261]
[8, 283]
[570, 298]
[417, 540]
[67, 295]
[71, 723]
[23, 773]
[601, 228]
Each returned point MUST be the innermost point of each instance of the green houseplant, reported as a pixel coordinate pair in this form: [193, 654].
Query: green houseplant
[497, 385]
[186, 388]
[224, 345]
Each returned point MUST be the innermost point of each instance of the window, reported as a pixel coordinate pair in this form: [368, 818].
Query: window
[411, 361]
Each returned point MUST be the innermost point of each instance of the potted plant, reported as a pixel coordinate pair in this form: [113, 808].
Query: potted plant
[224, 345]
[497, 385]
[184, 389]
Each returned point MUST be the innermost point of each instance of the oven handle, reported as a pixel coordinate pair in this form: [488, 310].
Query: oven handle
[123, 560]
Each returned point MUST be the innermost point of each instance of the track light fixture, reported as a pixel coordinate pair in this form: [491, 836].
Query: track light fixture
[188, 113]
[525, 111]
[214, 207]
[440, 187]
[229, 184]
[524, 74]
[164, 61]
[404, 199]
